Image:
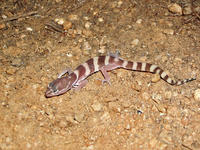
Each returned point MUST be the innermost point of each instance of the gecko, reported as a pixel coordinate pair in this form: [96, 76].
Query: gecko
[77, 79]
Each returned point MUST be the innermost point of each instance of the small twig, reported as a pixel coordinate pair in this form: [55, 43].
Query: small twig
[54, 27]
[186, 146]
[19, 16]
[198, 16]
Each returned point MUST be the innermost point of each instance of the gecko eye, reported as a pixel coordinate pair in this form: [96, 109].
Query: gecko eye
[54, 89]
[50, 85]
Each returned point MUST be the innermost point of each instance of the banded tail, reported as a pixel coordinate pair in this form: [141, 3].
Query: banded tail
[147, 67]
[111, 62]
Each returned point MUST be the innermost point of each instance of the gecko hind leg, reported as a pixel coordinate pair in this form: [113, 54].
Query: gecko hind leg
[104, 70]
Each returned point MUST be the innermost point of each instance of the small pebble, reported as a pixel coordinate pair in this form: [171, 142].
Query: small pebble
[73, 17]
[128, 127]
[97, 106]
[134, 42]
[86, 46]
[2, 26]
[156, 97]
[90, 147]
[168, 94]
[139, 21]
[155, 78]
[175, 8]
[11, 70]
[28, 145]
[168, 31]
[59, 21]
[8, 139]
[98, 82]
[29, 29]
[102, 50]
[100, 19]
[17, 62]
[86, 18]
[119, 3]
[197, 94]
[79, 117]
[105, 117]
[196, 144]
[197, 9]
[4, 16]
[67, 25]
[87, 32]
[63, 124]
[87, 25]
[187, 10]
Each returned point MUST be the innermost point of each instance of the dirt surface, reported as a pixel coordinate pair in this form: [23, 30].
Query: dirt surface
[39, 39]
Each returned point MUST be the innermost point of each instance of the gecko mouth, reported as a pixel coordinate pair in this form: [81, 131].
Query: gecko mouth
[49, 93]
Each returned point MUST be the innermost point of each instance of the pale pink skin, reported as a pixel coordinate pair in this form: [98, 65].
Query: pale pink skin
[77, 79]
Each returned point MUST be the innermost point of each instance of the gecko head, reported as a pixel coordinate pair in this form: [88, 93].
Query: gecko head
[59, 86]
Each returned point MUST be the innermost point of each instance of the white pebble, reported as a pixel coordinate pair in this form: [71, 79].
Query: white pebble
[97, 106]
[134, 42]
[102, 50]
[87, 46]
[100, 19]
[91, 147]
[87, 25]
[86, 18]
[169, 31]
[29, 29]
[175, 8]
[128, 127]
[139, 21]
[4, 16]
[8, 139]
[119, 3]
[197, 94]
[28, 145]
[59, 21]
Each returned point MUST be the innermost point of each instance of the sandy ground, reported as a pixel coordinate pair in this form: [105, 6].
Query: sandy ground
[137, 111]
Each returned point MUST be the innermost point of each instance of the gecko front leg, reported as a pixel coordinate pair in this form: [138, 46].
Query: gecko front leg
[67, 70]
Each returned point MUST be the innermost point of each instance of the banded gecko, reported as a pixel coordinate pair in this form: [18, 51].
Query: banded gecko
[78, 78]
